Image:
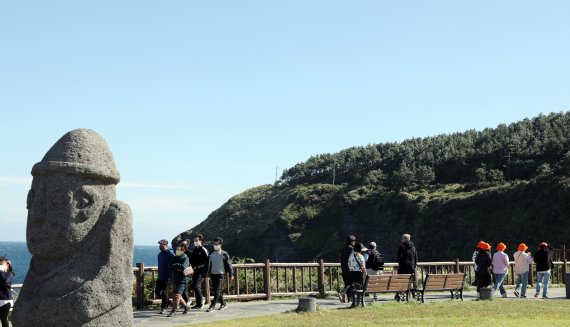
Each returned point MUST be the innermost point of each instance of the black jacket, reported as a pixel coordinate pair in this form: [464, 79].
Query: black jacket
[543, 260]
[407, 258]
[344, 255]
[6, 285]
[199, 260]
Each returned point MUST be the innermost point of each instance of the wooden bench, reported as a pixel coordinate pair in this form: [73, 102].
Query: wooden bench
[441, 283]
[399, 284]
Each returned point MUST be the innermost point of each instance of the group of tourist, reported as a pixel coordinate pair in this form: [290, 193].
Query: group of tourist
[498, 264]
[177, 268]
[357, 261]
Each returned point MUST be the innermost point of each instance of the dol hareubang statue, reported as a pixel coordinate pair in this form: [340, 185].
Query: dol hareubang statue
[80, 238]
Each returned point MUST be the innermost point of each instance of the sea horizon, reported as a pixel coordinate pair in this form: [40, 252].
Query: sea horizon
[19, 256]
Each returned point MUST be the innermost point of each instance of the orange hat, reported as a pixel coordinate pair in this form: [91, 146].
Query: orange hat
[486, 246]
[522, 247]
[480, 245]
[501, 247]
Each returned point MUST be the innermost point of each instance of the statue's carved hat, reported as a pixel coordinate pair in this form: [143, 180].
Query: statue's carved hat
[80, 152]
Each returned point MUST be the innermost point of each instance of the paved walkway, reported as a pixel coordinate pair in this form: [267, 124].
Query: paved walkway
[147, 318]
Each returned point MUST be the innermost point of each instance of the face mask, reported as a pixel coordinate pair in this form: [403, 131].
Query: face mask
[2, 267]
[197, 244]
[179, 252]
[217, 247]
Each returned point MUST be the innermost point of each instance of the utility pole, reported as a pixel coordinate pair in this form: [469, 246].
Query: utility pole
[276, 168]
[334, 171]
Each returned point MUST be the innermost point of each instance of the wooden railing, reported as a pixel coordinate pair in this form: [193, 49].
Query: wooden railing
[267, 280]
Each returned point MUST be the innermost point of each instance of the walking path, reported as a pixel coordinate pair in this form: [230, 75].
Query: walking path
[147, 318]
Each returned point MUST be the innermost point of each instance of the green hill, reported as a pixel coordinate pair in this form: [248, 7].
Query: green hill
[509, 184]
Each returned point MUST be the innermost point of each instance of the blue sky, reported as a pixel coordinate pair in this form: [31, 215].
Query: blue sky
[201, 100]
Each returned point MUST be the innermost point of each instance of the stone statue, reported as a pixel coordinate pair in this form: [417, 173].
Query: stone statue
[80, 238]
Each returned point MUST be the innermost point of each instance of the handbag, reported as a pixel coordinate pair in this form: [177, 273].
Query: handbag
[188, 271]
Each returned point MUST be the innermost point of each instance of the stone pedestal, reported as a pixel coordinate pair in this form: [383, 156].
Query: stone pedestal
[485, 293]
[307, 304]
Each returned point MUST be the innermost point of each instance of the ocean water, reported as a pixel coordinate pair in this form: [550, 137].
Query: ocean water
[18, 254]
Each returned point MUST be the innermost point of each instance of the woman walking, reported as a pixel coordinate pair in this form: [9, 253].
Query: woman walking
[500, 266]
[483, 262]
[6, 277]
[522, 261]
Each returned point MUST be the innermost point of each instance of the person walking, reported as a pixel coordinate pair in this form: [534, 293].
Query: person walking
[199, 260]
[522, 261]
[483, 262]
[6, 278]
[345, 253]
[219, 265]
[374, 263]
[161, 285]
[500, 266]
[357, 271]
[178, 278]
[543, 260]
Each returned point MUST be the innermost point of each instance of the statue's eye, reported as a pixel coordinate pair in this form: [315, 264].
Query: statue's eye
[82, 199]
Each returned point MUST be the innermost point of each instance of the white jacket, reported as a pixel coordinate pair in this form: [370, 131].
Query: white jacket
[522, 260]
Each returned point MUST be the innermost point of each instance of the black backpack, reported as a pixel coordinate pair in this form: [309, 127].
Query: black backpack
[375, 260]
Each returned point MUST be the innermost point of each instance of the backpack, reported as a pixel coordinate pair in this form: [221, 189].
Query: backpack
[375, 260]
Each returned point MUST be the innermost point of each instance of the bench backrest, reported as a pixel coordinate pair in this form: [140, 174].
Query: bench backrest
[389, 283]
[444, 282]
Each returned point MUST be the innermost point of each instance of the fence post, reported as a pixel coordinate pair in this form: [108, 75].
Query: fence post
[530, 278]
[205, 290]
[267, 279]
[321, 277]
[456, 265]
[564, 261]
[139, 287]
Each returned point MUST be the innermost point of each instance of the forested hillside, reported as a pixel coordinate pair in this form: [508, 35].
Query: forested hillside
[510, 183]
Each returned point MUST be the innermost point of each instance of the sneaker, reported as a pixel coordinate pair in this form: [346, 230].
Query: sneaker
[203, 302]
[210, 309]
[523, 296]
[196, 307]
[516, 293]
[545, 297]
[375, 299]
[185, 310]
[504, 295]
[162, 311]
[223, 306]
[535, 294]
[172, 312]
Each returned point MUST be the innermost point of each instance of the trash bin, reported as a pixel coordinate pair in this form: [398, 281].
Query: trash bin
[486, 293]
[567, 282]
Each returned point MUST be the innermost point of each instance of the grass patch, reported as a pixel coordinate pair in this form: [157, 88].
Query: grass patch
[449, 313]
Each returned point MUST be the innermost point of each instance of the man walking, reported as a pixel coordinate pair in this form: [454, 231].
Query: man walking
[219, 266]
[199, 261]
[164, 260]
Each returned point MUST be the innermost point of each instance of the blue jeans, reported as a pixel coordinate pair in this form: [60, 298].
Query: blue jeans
[542, 277]
[522, 279]
[499, 278]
